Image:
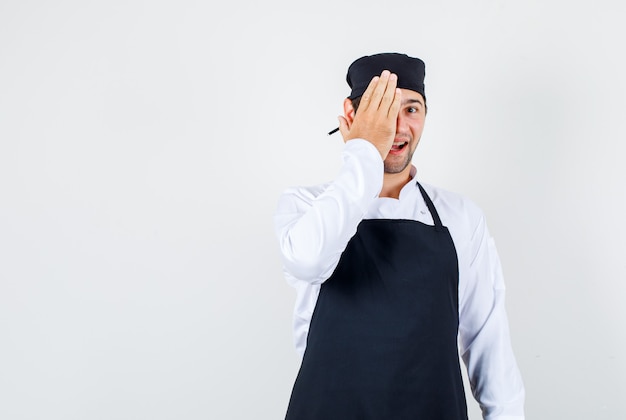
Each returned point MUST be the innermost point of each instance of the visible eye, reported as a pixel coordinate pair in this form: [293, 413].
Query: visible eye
[411, 110]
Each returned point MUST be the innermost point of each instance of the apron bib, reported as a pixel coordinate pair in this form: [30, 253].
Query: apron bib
[382, 342]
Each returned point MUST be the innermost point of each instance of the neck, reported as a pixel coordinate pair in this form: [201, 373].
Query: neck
[393, 183]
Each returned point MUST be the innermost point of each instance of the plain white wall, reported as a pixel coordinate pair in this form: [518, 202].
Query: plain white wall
[143, 146]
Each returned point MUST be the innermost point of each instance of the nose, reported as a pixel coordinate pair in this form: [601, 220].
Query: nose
[401, 124]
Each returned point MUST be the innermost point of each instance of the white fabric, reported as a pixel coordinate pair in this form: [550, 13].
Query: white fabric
[314, 225]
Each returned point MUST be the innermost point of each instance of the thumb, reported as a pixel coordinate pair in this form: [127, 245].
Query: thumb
[343, 127]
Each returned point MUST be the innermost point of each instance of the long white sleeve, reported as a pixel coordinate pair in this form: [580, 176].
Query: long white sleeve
[485, 343]
[314, 226]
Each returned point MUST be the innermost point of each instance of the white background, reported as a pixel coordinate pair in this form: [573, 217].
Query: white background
[143, 146]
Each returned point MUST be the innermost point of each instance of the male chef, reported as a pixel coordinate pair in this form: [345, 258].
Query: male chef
[395, 279]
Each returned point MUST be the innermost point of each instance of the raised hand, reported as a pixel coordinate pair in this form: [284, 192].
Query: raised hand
[376, 118]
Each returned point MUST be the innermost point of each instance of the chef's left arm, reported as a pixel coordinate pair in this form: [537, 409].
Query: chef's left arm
[484, 338]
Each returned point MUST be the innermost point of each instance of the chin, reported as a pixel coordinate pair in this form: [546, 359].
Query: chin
[397, 164]
[395, 168]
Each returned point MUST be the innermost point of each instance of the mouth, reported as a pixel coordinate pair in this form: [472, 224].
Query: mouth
[398, 145]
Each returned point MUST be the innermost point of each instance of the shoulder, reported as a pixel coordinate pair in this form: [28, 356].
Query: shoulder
[452, 202]
[460, 213]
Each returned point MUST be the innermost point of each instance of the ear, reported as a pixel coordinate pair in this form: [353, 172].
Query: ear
[348, 111]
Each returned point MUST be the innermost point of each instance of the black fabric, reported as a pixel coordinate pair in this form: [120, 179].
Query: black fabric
[431, 208]
[410, 71]
[382, 342]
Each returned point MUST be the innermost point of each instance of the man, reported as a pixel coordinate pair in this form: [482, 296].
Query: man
[394, 279]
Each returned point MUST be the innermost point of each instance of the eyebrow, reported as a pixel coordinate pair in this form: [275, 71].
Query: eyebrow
[412, 101]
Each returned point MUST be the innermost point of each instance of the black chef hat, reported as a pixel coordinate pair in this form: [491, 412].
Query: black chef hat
[410, 72]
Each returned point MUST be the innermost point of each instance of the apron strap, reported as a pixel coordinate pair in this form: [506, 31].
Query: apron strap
[431, 207]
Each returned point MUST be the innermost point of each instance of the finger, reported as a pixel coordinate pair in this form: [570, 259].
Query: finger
[379, 90]
[390, 91]
[367, 95]
[394, 109]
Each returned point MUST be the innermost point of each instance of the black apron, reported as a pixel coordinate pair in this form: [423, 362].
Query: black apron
[382, 343]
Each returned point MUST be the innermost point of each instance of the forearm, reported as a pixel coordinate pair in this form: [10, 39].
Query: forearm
[313, 228]
[484, 334]
[494, 375]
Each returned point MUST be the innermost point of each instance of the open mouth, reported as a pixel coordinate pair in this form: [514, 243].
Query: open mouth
[399, 145]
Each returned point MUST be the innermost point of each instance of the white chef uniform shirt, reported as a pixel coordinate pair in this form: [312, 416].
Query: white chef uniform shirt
[314, 225]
